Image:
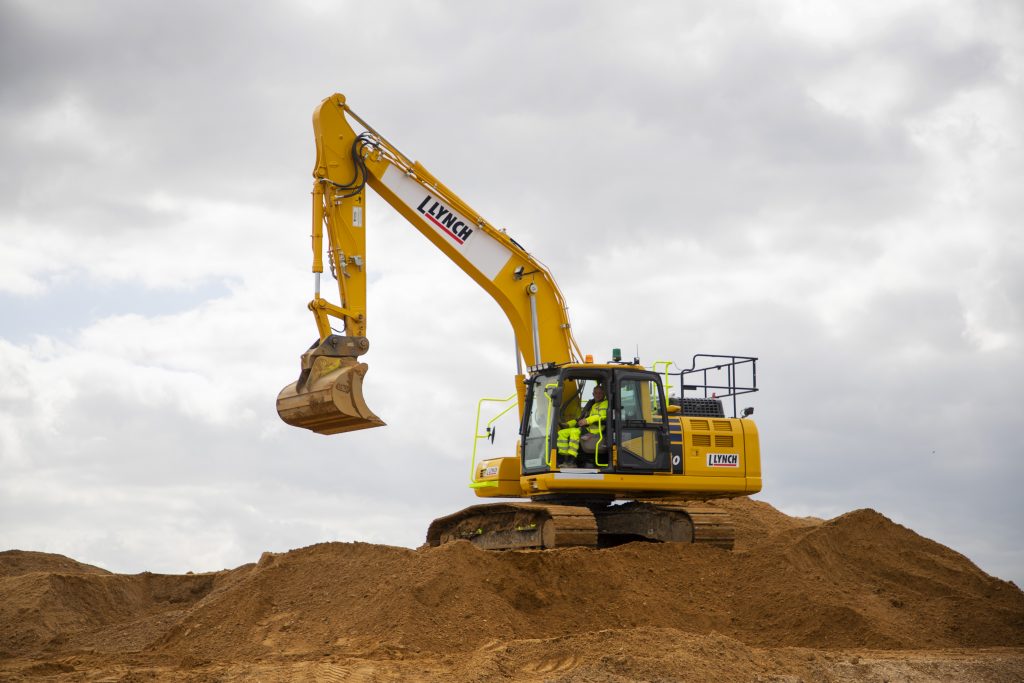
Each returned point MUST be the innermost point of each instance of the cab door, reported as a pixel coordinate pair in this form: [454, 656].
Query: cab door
[537, 432]
[641, 426]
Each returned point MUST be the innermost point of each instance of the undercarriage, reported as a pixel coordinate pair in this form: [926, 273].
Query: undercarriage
[520, 526]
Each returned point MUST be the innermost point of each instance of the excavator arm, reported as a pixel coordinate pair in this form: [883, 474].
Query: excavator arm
[327, 398]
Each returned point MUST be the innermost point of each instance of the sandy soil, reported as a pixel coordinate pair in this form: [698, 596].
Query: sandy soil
[855, 598]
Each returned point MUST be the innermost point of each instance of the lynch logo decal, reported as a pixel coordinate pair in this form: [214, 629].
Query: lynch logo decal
[723, 460]
[443, 217]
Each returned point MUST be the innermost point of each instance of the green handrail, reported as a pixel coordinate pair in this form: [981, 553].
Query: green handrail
[597, 446]
[667, 364]
[547, 428]
[473, 483]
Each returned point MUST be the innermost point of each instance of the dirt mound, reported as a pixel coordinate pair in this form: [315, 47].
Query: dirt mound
[856, 581]
[757, 522]
[860, 580]
[81, 606]
[17, 562]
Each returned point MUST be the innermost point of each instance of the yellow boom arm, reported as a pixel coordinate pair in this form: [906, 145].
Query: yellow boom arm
[328, 396]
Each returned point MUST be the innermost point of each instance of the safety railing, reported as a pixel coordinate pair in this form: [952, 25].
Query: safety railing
[712, 377]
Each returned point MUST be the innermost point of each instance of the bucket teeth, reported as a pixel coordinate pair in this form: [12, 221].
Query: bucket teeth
[328, 396]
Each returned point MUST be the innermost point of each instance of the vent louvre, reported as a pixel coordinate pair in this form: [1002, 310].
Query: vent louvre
[701, 439]
[723, 440]
[702, 425]
[699, 407]
[723, 426]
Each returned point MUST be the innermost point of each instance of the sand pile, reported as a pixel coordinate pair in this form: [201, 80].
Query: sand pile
[856, 581]
[52, 603]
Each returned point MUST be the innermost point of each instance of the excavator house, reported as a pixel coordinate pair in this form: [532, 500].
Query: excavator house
[605, 453]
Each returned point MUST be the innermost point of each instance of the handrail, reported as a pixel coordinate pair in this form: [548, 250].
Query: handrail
[547, 428]
[667, 364]
[597, 446]
[488, 434]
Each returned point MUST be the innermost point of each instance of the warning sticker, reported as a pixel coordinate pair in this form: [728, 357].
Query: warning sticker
[491, 471]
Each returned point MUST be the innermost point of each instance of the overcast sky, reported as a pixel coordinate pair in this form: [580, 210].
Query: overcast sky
[835, 188]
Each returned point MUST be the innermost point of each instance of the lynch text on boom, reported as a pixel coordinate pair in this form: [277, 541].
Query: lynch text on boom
[445, 219]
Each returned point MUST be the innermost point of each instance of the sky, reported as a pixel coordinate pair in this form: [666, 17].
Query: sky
[832, 187]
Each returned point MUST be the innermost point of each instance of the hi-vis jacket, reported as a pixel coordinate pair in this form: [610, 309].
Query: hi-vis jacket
[596, 414]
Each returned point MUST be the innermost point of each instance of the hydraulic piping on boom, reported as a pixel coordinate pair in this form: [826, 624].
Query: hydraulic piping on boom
[327, 398]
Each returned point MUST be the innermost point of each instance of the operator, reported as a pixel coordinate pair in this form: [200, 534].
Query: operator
[593, 419]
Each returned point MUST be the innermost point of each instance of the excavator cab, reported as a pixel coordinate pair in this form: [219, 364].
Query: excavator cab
[634, 436]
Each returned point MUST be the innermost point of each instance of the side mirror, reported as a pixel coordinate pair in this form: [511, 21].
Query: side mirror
[747, 412]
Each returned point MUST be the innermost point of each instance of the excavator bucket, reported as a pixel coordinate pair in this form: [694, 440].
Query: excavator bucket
[328, 396]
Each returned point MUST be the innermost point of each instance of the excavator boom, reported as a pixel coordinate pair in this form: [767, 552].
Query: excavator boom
[327, 398]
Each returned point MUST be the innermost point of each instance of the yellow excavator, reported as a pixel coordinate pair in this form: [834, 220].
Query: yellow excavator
[649, 455]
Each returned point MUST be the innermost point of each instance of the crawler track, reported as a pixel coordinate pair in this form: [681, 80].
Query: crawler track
[511, 526]
[667, 523]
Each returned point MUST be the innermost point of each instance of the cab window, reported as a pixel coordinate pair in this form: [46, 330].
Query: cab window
[537, 440]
